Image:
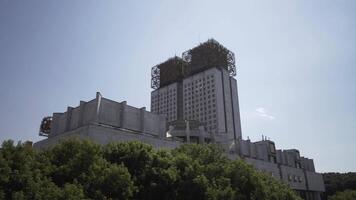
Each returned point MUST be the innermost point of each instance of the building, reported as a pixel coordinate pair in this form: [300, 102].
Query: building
[103, 121]
[287, 165]
[195, 99]
[201, 89]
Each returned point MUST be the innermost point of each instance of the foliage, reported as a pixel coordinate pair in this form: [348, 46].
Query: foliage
[132, 170]
[338, 182]
[345, 195]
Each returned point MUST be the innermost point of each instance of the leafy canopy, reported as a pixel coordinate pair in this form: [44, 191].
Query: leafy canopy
[345, 195]
[77, 169]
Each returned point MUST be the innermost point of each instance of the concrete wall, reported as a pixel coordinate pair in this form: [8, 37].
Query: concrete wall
[132, 118]
[267, 167]
[294, 177]
[165, 101]
[245, 150]
[155, 124]
[236, 108]
[253, 150]
[89, 111]
[262, 152]
[298, 172]
[307, 164]
[228, 107]
[224, 104]
[103, 135]
[315, 181]
[111, 113]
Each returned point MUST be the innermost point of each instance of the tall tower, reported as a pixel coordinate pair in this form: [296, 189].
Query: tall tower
[200, 86]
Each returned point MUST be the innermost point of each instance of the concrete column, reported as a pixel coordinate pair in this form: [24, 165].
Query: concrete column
[187, 131]
[68, 118]
[123, 114]
[201, 135]
[54, 125]
[170, 130]
[81, 113]
[98, 102]
[249, 147]
[142, 119]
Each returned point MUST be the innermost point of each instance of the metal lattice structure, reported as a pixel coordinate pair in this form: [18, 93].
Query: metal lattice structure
[186, 56]
[206, 55]
[155, 77]
[231, 67]
[167, 72]
[45, 128]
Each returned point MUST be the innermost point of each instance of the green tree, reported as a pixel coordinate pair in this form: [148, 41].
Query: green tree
[338, 182]
[345, 195]
[77, 169]
[82, 163]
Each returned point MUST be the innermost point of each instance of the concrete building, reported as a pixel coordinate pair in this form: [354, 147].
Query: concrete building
[287, 165]
[195, 99]
[201, 92]
[188, 131]
[104, 121]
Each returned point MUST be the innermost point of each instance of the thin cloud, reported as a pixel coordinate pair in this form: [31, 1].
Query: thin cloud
[263, 113]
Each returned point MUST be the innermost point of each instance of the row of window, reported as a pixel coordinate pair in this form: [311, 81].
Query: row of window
[203, 79]
[294, 178]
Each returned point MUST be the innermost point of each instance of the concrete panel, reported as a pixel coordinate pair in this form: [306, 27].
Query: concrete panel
[104, 135]
[262, 152]
[62, 121]
[279, 157]
[109, 112]
[315, 181]
[253, 150]
[55, 124]
[89, 114]
[236, 108]
[267, 167]
[75, 115]
[294, 177]
[154, 124]
[228, 103]
[245, 148]
[132, 118]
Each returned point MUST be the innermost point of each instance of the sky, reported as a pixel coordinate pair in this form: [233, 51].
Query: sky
[295, 63]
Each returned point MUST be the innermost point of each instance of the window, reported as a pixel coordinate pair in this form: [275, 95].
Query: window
[289, 177]
[300, 179]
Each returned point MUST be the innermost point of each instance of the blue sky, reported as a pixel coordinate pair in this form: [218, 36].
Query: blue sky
[296, 63]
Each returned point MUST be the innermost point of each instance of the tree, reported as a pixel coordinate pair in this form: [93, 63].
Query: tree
[79, 169]
[345, 195]
[338, 182]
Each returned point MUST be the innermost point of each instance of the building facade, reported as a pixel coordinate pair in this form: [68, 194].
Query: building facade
[286, 165]
[205, 93]
[103, 121]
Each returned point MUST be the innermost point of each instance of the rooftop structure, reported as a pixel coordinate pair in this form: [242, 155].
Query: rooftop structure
[208, 55]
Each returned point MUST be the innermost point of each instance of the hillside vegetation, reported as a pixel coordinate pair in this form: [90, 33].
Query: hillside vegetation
[133, 170]
[339, 182]
[345, 195]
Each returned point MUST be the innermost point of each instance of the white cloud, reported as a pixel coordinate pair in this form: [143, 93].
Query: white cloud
[262, 112]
